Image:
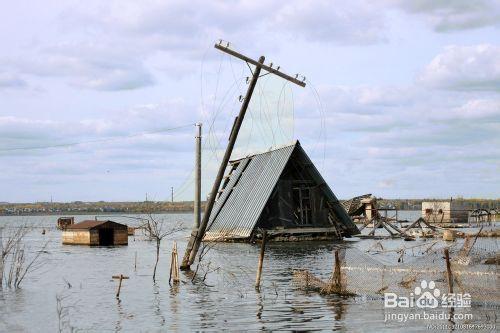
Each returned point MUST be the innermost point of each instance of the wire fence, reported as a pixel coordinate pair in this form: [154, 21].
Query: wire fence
[471, 271]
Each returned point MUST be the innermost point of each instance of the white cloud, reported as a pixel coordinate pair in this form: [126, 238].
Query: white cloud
[8, 80]
[474, 67]
[19, 132]
[88, 66]
[479, 108]
[453, 15]
[359, 22]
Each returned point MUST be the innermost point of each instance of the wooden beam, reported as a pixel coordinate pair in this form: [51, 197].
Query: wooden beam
[255, 63]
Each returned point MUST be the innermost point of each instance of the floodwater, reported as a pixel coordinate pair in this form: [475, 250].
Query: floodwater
[81, 277]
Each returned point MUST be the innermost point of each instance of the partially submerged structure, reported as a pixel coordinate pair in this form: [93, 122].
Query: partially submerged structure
[93, 232]
[356, 206]
[282, 192]
[446, 211]
[64, 221]
[362, 209]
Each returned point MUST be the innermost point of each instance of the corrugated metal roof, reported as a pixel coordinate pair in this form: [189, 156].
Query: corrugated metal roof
[240, 205]
[237, 210]
[90, 224]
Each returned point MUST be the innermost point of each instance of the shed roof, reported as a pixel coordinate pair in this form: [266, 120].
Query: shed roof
[250, 185]
[91, 224]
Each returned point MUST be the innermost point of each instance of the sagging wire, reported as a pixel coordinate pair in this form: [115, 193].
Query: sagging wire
[322, 136]
[213, 142]
[71, 144]
[263, 110]
[283, 94]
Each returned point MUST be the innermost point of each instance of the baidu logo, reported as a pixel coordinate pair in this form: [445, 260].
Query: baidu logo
[426, 295]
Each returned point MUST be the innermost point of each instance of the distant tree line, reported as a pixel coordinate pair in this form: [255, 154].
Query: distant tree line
[416, 204]
[143, 207]
[79, 207]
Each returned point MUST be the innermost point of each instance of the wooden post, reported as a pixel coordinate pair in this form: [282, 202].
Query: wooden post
[375, 226]
[120, 277]
[474, 242]
[174, 266]
[448, 271]
[261, 260]
[119, 286]
[197, 237]
[336, 273]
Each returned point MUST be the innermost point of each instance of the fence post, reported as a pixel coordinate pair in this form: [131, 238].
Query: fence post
[174, 266]
[336, 273]
[120, 278]
[261, 259]
[448, 271]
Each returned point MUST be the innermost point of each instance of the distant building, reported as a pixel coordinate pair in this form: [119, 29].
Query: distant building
[446, 211]
[92, 232]
[282, 192]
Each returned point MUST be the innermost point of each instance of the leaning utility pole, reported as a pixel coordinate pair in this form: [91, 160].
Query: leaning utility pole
[197, 235]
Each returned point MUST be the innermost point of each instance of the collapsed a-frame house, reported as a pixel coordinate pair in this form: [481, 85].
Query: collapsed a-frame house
[279, 191]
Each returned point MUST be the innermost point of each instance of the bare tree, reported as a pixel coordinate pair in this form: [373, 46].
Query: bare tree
[8, 243]
[14, 254]
[157, 230]
[204, 266]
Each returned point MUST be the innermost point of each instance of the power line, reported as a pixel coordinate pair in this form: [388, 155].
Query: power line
[70, 144]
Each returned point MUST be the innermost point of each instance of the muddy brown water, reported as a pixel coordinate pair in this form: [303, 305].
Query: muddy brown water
[81, 276]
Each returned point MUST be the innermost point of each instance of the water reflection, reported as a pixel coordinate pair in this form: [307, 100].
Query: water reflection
[119, 310]
[157, 305]
[175, 305]
[338, 307]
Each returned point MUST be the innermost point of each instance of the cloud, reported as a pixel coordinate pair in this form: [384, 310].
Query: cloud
[138, 126]
[112, 79]
[360, 22]
[12, 81]
[387, 183]
[480, 108]
[179, 26]
[125, 42]
[88, 66]
[399, 137]
[474, 67]
[453, 15]
[486, 110]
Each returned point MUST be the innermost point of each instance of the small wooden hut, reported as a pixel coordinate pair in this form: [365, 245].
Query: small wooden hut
[93, 232]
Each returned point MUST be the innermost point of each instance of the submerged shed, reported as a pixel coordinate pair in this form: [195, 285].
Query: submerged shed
[93, 232]
[282, 192]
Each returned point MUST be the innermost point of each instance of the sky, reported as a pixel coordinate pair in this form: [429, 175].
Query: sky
[98, 99]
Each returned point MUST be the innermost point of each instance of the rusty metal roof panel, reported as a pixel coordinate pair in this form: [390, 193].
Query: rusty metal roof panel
[90, 224]
[241, 203]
